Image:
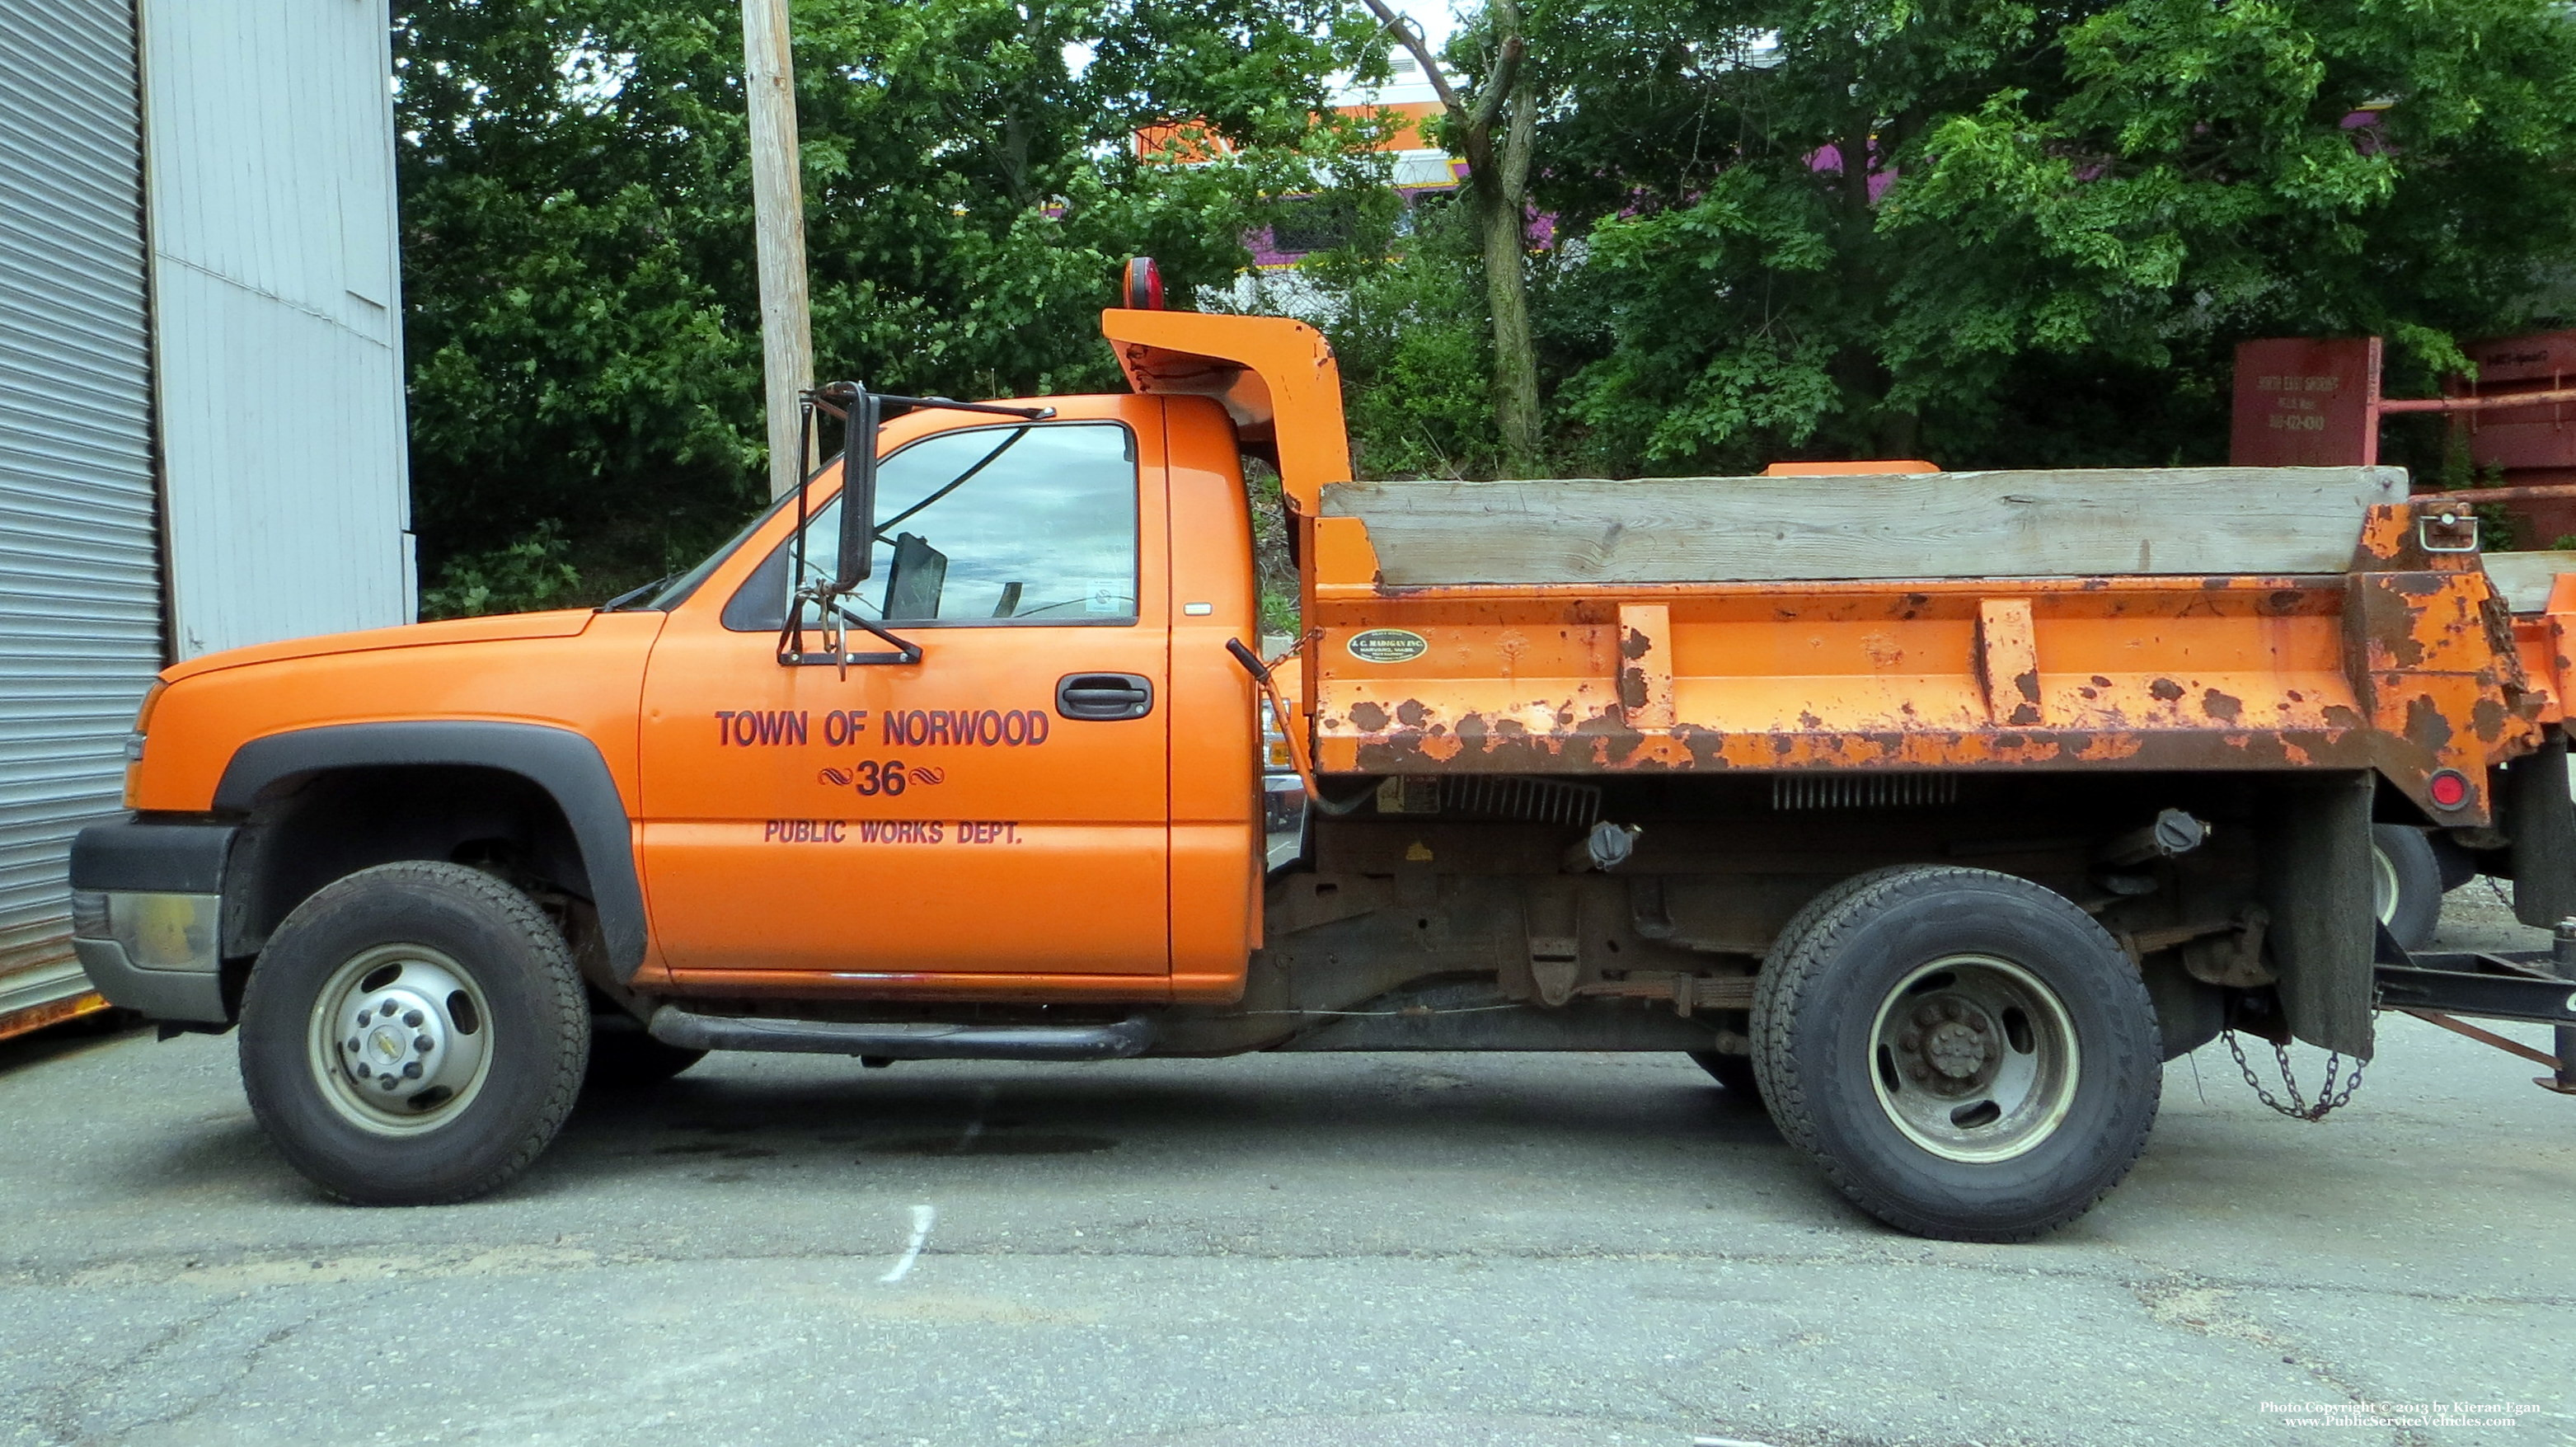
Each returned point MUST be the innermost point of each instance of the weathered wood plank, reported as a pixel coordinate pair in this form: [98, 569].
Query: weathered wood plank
[2033, 524]
[2525, 578]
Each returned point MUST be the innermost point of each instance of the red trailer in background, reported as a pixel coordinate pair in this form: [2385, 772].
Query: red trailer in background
[2308, 402]
[2525, 424]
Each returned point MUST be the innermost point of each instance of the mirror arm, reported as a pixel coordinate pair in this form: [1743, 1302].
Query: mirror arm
[836, 655]
[861, 412]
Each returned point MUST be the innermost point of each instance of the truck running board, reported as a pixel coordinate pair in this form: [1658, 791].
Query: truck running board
[909, 1040]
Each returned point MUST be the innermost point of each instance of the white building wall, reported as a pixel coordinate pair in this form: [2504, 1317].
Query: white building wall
[268, 129]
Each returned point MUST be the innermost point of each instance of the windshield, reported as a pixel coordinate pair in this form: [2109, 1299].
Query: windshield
[985, 525]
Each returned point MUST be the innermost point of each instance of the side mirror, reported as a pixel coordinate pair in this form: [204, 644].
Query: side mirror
[858, 493]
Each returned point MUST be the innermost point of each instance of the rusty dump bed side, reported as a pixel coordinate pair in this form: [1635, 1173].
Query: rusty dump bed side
[2404, 663]
[2176, 619]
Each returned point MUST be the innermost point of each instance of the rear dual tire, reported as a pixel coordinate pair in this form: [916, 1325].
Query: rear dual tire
[1966, 1054]
[1735, 1072]
[2407, 880]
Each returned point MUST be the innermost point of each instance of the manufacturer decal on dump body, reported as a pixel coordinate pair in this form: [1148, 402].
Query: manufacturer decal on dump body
[1388, 645]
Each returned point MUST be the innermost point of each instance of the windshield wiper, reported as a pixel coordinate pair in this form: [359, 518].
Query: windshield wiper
[631, 594]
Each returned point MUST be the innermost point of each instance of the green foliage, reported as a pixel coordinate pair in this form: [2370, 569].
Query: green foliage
[520, 577]
[581, 313]
[1407, 322]
[2080, 209]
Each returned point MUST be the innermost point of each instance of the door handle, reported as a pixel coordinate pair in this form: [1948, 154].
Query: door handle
[1105, 697]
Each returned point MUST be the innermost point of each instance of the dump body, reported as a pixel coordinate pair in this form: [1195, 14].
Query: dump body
[2225, 619]
[2403, 665]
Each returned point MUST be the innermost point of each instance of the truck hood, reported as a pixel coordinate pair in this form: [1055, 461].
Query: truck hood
[563, 623]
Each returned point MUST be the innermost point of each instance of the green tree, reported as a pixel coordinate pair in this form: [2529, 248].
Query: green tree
[1494, 128]
[2015, 232]
[578, 269]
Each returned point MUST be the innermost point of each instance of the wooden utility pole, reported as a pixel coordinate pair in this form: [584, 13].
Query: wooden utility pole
[778, 210]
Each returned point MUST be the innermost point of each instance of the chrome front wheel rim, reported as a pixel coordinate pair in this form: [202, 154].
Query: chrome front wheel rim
[400, 1040]
[1974, 1059]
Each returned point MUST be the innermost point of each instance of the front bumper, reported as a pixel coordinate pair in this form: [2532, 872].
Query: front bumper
[147, 916]
[192, 996]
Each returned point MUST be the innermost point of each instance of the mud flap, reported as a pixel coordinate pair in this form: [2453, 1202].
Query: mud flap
[2316, 882]
[2541, 821]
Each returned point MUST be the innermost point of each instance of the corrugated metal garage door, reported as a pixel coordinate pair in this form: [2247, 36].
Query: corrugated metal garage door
[80, 587]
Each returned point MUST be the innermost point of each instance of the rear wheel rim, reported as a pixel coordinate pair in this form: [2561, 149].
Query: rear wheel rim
[400, 1040]
[2383, 883]
[1973, 1058]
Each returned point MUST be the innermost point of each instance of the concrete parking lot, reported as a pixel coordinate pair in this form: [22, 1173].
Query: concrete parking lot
[1433, 1251]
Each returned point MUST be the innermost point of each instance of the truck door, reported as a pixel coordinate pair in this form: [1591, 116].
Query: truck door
[999, 808]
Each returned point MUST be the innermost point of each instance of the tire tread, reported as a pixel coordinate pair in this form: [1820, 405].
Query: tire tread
[1780, 990]
[565, 1003]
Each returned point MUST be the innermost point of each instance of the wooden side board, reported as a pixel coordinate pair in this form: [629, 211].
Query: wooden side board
[2525, 578]
[2034, 524]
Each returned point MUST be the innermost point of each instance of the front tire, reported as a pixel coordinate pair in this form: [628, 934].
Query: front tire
[1967, 1054]
[414, 1034]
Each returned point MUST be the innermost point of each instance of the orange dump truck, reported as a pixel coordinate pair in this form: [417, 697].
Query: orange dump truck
[1936, 810]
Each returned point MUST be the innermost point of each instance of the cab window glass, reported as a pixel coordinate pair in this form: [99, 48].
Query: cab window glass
[998, 525]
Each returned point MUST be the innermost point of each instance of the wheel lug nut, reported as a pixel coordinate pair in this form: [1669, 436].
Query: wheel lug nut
[411, 1070]
[422, 1043]
[412, 1018]
[364, 1017]
[387, 1007]
[1910, 1041]
[363, 1071]
[1924, 1015]
[350, 1045]
[1918, 1071]
[388, 1082]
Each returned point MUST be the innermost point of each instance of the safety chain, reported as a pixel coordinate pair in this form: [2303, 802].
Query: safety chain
[2328, 1099]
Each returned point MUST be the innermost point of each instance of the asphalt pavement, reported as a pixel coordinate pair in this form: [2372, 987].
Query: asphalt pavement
[1294, 1251]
